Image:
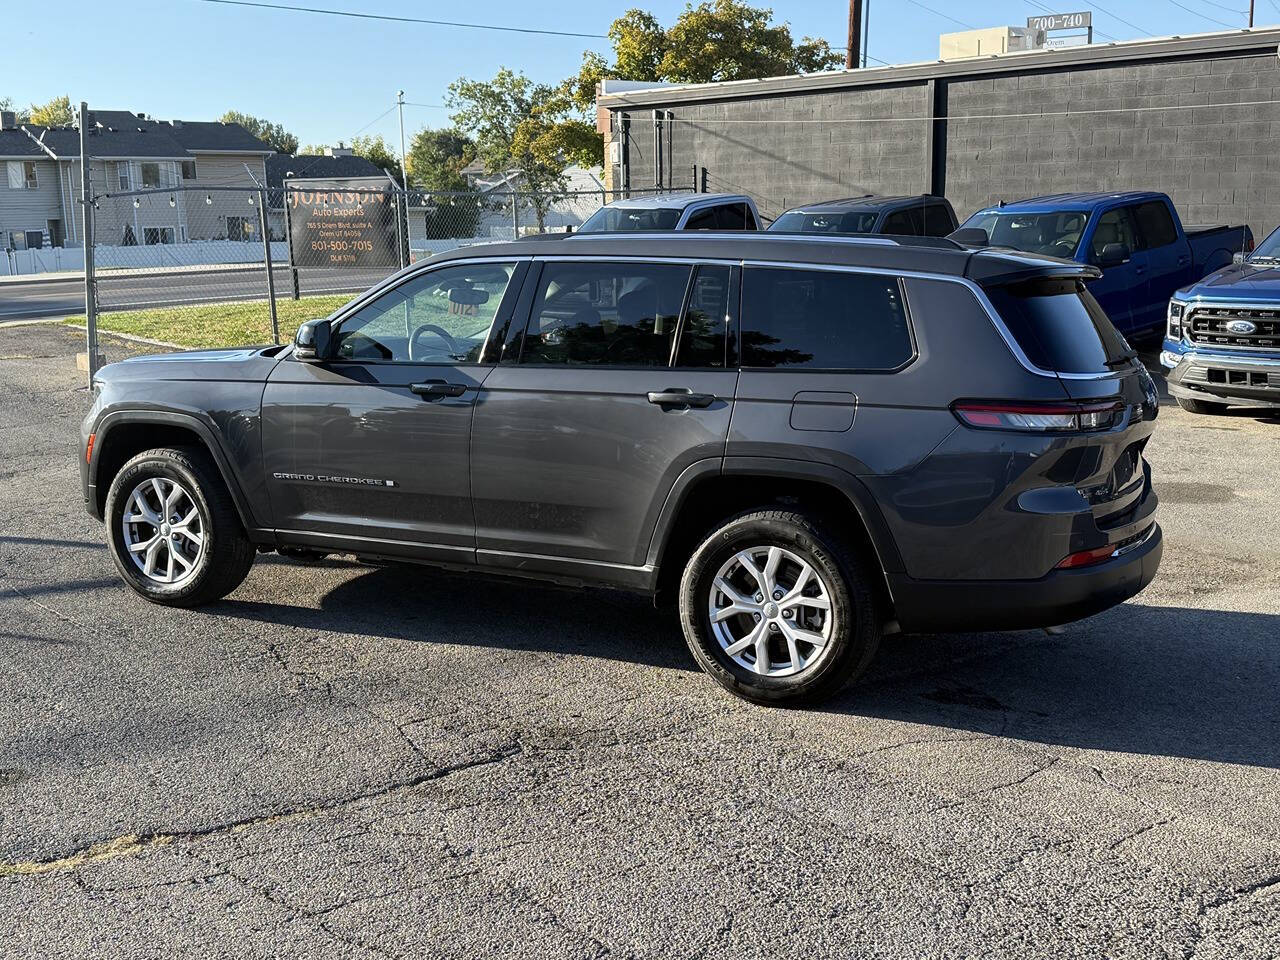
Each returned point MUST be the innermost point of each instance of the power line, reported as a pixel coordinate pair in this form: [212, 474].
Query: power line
[1202, 16]
[394, 19]
[945, 16]
[1127, 23]
[1223, 6]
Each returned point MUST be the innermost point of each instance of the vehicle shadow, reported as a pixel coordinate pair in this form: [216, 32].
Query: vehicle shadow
[421, 604]
[1168, 681]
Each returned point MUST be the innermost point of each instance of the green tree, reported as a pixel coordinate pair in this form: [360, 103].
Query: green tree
[525, 128]
[715, 40]
[436, 159]
[56, 113]
[378, 152]
[273, 134]
[6, 103]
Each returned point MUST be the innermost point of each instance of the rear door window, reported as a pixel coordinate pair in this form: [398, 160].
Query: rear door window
[1059, 325]
[732, 216]
[823, 319]
[903, 223]
[938, 221]
[1155, 223]
[702, 220]
[612, 314]
[704, 328]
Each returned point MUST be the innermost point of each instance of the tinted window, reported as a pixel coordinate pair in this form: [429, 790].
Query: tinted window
[438, 317]
[797, 221]
[702, 220]
[904, 223]
[1056, 234]
[1059, 325]
[1155, 223]
[605, 313]
[1268, 249]
[704, 327]
[1114, 226]
[938, 220]
[830, 319]
[609, 219]
[749, 221]
[732, 216]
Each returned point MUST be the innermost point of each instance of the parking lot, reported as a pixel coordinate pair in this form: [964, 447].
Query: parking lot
[342, 761]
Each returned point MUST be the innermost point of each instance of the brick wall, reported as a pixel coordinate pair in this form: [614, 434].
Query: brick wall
[1214, 155]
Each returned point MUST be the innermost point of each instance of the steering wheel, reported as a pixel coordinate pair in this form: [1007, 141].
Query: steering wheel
[1068, 249]
[449, 342]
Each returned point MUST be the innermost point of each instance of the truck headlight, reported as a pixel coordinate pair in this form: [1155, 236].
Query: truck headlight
[1177, 311]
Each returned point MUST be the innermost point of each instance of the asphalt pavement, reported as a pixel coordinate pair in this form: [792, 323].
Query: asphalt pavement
[347, 761]
[135, 290]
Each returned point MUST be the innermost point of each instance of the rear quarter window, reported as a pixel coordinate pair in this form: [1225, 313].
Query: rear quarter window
[1058, 325]
[824, 319]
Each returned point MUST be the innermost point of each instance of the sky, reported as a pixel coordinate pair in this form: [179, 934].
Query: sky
[328, 79]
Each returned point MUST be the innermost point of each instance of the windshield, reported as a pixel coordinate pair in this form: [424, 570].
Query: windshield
[1054, 234]
[1268, 249]
[797, 221]
[611, 219]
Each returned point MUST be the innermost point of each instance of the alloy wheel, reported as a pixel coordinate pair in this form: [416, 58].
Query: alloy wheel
[163, 531]
[771, 611]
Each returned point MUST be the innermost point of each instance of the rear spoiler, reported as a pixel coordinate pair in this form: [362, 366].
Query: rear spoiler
[998, 268]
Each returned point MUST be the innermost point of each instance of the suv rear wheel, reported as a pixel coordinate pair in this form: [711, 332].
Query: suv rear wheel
[1191, 405]
[174, 532]
[778, 608]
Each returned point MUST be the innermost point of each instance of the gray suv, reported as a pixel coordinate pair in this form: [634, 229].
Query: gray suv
[801, 444]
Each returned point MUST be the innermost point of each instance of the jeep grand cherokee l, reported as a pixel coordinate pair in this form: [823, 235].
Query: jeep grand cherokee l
[804, 442]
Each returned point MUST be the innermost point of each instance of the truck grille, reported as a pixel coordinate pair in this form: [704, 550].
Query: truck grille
[1210, 326]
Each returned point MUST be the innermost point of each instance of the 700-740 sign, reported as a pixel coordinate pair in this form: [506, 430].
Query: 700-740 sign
[1061, 21]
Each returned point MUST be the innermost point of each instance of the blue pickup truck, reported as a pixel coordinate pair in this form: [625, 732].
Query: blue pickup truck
[1222, 343]
[1136, 238]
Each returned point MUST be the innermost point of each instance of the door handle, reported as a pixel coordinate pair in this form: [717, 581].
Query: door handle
[437, 389]
[680, 397]
[1183, 261]
[1139, 270]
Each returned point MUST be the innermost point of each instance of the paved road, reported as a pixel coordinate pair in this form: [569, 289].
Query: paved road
[342, 761]
[55, 298]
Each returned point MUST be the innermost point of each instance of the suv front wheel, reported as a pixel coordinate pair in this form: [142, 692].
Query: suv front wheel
[173, 529]
[778, 608]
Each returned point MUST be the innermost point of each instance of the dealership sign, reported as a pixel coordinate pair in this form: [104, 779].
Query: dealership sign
[349, 222]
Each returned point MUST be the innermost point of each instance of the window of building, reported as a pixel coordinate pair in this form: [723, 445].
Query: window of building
[151, 175]
[188, 170]
[440, 317]
[157, 235]
[617, 314]
[1155, 224]
[35, 239]
[826, 319]
[22, 175]
[122, 171]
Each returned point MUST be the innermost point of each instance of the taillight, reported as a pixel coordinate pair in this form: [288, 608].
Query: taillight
[1248, 244]
[1038, 417]
[88, 449]
[1086, 558]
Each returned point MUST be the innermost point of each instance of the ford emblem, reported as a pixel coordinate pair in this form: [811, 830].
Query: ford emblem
[1241, 326]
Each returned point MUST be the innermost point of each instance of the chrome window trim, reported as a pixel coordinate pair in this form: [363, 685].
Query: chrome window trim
[992, 314]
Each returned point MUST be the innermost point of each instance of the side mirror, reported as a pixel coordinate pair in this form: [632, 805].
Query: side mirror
[970, 237]
[311, 342]
[1113, 254]
[1237, 258]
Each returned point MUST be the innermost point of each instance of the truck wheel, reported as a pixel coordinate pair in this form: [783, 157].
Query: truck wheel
[778, 608]
[173, 530]
[1201, 406]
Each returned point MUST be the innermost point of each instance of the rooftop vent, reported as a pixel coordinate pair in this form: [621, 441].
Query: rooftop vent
[8, 120]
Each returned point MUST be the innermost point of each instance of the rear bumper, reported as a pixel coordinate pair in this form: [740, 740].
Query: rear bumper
[1198, 374]
[933, 606]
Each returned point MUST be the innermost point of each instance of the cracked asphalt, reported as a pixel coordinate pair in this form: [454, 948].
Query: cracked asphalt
[347, 761]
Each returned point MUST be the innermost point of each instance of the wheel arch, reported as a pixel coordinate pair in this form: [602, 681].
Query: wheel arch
[121, 435]
[701, 499]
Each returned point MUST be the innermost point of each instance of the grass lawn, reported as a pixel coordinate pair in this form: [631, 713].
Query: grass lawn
[218, 324]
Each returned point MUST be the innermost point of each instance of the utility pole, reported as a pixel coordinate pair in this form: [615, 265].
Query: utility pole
[404, 173]
[1251, 14]
[866, 31]
[851, 54]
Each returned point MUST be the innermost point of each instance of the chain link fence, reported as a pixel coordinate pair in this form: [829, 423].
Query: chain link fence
[213, 265]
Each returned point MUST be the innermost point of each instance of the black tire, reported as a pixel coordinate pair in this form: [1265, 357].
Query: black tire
[855, 632]
[1201, 406]
[227, 554]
